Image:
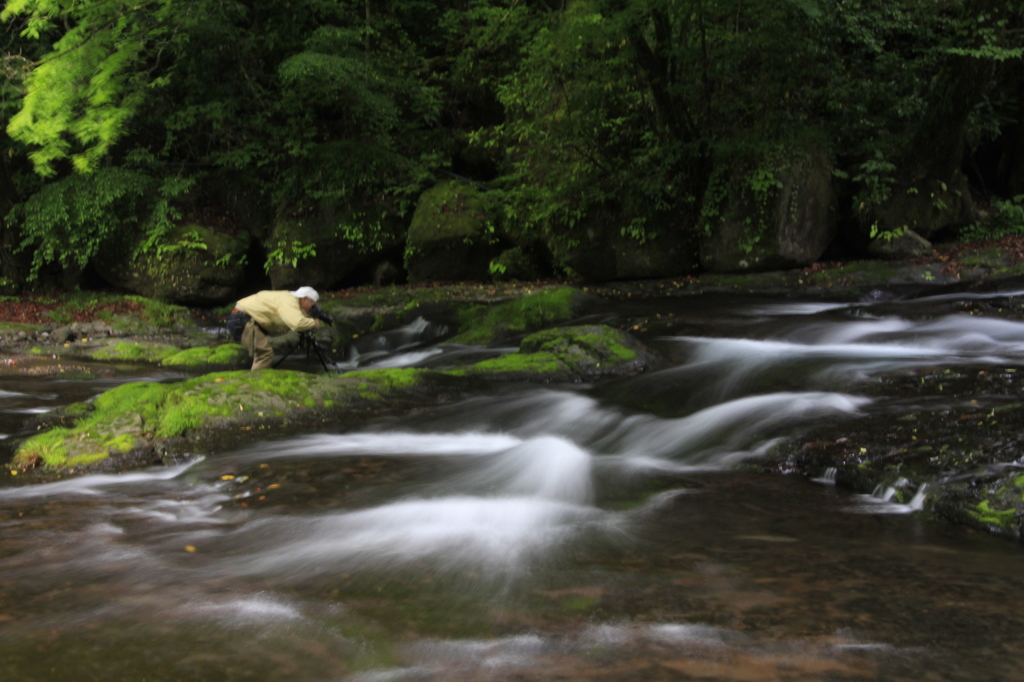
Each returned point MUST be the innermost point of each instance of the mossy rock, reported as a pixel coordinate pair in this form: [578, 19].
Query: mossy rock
[450, 237]
[193, 265]
[928, 207]
[224, 355]
[134, 422]
[143, 417]
[483, 324]
[567, 354]
[108, 350]
[786, 225]
[135, 351]
[156, 316]
[908, 244]
[597, 248]
[518, 264]
[333, 256]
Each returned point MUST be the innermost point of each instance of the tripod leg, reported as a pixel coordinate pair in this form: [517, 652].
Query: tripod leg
[290, 351]
[325, 359]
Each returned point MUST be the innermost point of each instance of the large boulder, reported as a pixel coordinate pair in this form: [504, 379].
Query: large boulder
[600, 247]
[770, 222]
[928, 207]
[518, 264]
[451, 237]
[322, 245]
[191, 265]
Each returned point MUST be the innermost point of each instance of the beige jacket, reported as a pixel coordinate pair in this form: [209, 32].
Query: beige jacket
[276, 312]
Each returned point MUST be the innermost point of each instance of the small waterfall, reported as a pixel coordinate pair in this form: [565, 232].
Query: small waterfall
[917, 503]
[372, 348]
[886, 499]
[828, 478]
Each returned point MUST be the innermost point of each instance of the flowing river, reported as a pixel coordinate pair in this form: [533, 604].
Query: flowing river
[532, 532]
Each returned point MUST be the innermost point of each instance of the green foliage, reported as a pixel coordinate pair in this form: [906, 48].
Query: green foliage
[190, 241]
[583, 114]
[68, 220]
[886, 235]
[80, 97]
[876, 177]
[289, 254]
[1007, 219]
[160, 314]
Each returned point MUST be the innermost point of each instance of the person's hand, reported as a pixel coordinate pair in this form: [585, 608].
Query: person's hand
[316, 324]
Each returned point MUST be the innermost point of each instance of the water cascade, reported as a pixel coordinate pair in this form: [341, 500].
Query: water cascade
[616, 531]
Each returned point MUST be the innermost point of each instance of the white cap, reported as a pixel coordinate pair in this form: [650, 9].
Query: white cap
[306, 292]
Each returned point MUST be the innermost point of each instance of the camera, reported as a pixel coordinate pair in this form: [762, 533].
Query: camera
[317, 312]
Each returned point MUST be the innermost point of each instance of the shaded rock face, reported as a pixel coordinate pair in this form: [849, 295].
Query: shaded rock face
[928, 207]
[193, 265]
[451, 237]
[959, 463]
[786, 226]
[314, 247]
[518, 264]
[909, 244]
[601, 250]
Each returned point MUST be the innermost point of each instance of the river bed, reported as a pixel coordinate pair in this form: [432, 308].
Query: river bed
[533, 532]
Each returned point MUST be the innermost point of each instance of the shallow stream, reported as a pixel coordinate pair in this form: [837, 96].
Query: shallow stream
[534, 532]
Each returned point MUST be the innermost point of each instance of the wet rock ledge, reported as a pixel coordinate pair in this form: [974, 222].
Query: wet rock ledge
[142, 423]
[963, 464]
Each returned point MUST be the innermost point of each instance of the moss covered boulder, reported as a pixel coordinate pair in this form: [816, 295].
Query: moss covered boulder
[191, 265]
[141, 422]
[204, 357]
[135, 351]
[323, 244]
[604, 245]
[486, 324]
[781, 215]
[450, 237]
[929, 206]
[567, 354]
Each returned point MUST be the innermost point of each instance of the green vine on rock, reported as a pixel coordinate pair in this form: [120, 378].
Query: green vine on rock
[289, 254]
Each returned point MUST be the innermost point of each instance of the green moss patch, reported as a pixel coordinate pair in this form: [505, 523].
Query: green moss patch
[984, 513]
[449, 210]
[390, 378]
[566, 354]
[140, 415]
[540, 366]
[15, 327]
[480, 324]
[115, 424]
[136, 351]
[224, 355]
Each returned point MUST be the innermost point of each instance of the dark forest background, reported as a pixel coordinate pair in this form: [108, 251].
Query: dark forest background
[194, 149]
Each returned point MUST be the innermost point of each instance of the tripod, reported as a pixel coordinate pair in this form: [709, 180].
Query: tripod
[313, 347]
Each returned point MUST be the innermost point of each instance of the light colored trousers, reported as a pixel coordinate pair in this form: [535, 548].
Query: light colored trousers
[255, 341]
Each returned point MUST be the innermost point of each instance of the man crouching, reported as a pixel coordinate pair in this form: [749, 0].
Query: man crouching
[271, 313]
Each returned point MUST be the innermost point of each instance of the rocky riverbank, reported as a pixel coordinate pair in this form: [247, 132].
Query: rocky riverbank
[972, 477]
